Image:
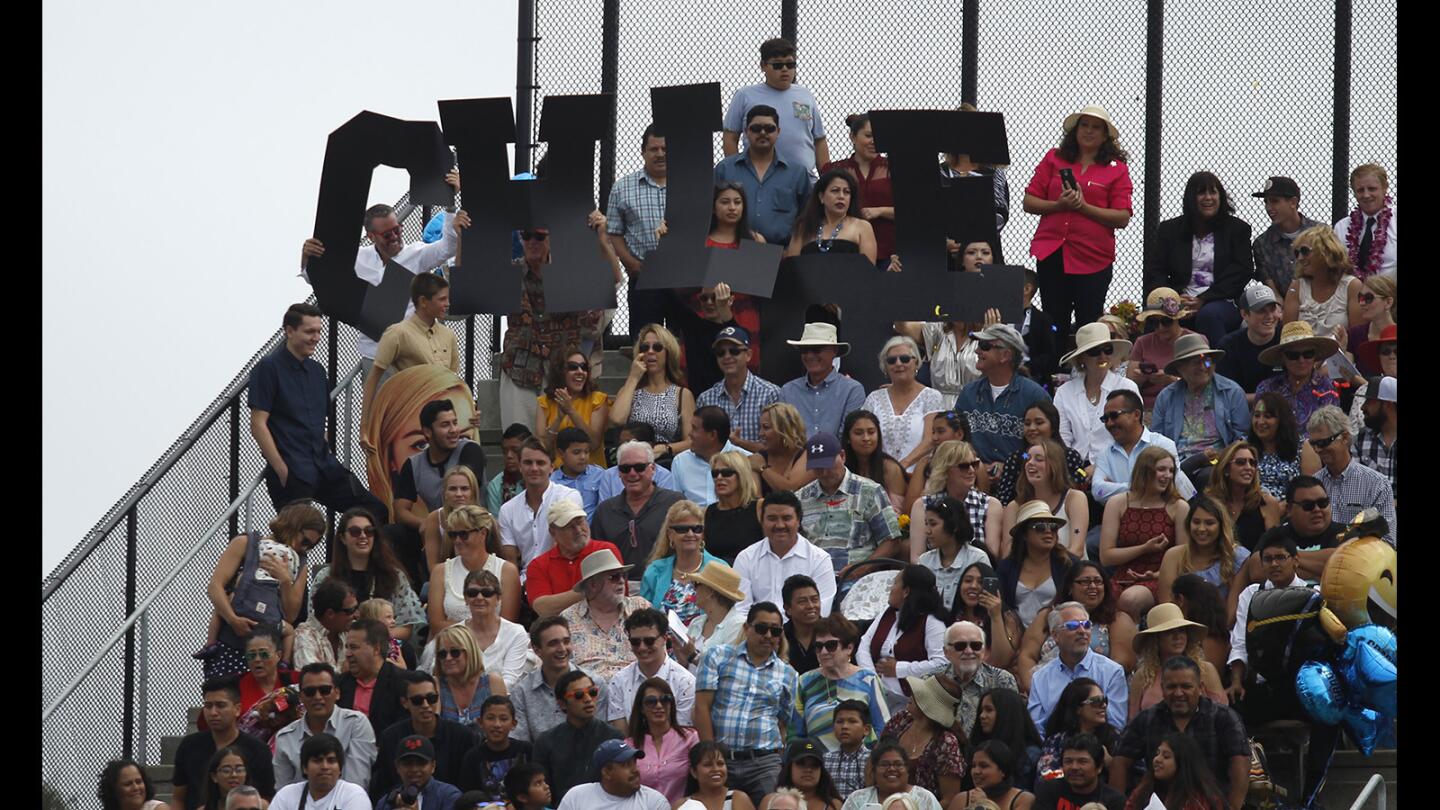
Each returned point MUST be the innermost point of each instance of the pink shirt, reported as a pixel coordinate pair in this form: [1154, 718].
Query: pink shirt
[1089, 245]
[665, 770]
[364, 691]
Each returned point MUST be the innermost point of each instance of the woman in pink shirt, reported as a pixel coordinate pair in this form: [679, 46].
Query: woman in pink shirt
[655, 730]
[1074, 245]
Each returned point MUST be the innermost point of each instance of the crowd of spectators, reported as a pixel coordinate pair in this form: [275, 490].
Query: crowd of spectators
[982, 582]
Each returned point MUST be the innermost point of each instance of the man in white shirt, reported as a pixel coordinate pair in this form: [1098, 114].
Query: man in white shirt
[645, 629]
[524, 529]
[764, 566]
[619, 787]
[323, 758]
[319, 692]
[1279, 556]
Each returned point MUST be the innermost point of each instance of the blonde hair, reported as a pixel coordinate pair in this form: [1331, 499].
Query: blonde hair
[794, 793]
[469, 476]
[905, 799]
[1219, 486]
[677, 510]
[735, 460]
[460, 636]
[370, 609]
[1149, 653]
[786, 421]
[1058, 477]
[1323, 243]
[1385, 286]
[672, 350]
[475, 518]
[395, 412]
[947, 455]
[1144, 473]
[1370, 168]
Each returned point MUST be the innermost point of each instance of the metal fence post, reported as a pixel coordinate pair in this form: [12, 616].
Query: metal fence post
[470, 352]
[234, 488]
[1154, 82]
[525, 87]
[142, 682]
[129, 715]
[348, 425]
[1340, 186]
[789, 19]
[334, 376]
[609, 83]
[969, 50]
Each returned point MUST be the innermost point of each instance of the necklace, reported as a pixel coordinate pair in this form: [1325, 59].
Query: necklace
[821, 242]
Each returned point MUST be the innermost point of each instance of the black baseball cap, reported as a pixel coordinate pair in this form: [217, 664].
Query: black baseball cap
[1281, 186]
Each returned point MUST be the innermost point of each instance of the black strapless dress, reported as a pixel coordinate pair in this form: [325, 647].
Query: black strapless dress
[818, 313]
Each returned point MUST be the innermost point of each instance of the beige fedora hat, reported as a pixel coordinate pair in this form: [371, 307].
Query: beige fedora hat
[597, 563]
[1030, 512]
[937, 704]
[1191, 345]
[1093, 336]
[1163, 618]
[720, 578]
[1094, 111]
[821, 334]
[1297, 336]
[1163, 301]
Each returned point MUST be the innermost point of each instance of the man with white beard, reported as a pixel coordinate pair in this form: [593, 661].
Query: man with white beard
[968, 676]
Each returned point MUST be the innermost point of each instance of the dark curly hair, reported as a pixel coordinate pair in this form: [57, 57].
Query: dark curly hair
[109, 791]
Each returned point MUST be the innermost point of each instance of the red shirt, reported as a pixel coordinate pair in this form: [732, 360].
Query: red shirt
[364, 691]
[1089, 245]
[552, 573]
[874, 193]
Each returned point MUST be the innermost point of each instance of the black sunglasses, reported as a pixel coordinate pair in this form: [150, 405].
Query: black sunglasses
[691, 529]
[632, 468]
[733, 351]
[775, 630]
[1111, 416]
[1302, 251]
[778, 65]
[643, 641]
[767, 129]
[453, 652]
[651, 701]
[657, 346]
[1321, 444]
[534, 236]
[899, 358]
[1164, 320]
[360, 531]
[828, 646]
[985, 345]
[419, 700]
[312, 691]
[1308, 354]
[723, 472]
[1107, 350]
[960, 646]
[573, 366]
[1311, 506]
[488, 593]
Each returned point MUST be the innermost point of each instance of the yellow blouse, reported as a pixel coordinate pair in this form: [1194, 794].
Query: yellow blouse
[585, 407]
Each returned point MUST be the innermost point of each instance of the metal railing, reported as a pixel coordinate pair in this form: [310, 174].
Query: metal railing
[1374, 787]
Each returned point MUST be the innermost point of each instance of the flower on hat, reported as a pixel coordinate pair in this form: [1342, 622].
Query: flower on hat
[904, 521]
[1170, 306]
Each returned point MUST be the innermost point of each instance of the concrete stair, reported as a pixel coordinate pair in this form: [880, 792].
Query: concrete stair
[162, 774]
[1350, 770]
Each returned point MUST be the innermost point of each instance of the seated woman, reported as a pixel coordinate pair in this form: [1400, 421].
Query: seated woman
[993, 766]
[949, 534]
[1080, 401]
[364, 560]
[225, 772]
[804, 772]
[904, 407]
[954, 473]
[1046, 479]
[1282, 453]
[862, 441]
[706, 786]
[732, 523]
[679, 552]
[923, 727]
[457, 488]
[1081, 709]
[265, 673]
[124, 785]
[831, 219]
[908, 638]
[571, 399]
[656, 732]
[1200, 602]
[1303, 381]
[1002, 717]
[460, 671]
[1155, 349]
[838, 679]
[1236, 483]
[1139, 525]
[476, 539]
[1168, 634]
[889, 775]
[782, 464]
[504, 645]
[655, 392]
[1323, 294]
[1178, 776]
[1379, 304]
[1112, 631]
[1209, 549]
[1033, 572]
[717, 591]
[1041, 421]
[1205, 254]
[974, 602]
[946, 426]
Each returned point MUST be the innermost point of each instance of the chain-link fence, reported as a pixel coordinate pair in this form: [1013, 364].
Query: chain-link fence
[84, 600]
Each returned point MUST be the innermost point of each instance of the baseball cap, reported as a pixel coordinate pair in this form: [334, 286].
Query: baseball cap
[1282, 186]
[416, 745]
[563, 510]
[1003, 332]
[736, 334]
[802, 749]
[614, 751]
[1388, 390]
[1256, 297]
[823, 447]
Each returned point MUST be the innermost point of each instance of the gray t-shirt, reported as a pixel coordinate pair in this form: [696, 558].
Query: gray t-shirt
[800, 125]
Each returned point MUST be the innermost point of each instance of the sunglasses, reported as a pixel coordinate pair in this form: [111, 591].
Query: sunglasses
[452, 652]
[350, 611]
[1366, 297]
[1242, 461]
[360, 531]
[1274, 559]
[1164, 320]
[390, 234]
[459, 534]
[657, 346]
[1077, 624]
[1301, 252]
[723, 472]
[986, 345]
[962, 646]
[695, 529]
[581, 694]
[967, 465]
[828, 646]
[312, 691]
[488, 593]
[1321, 444]
[1308, 354]
[534, 236]
[572, 366]
[1046, 525]
[899, 358]
[643, 641]
[732, 351]
[775, 630]
[1311, 506]
[1111, 416]
[763, 129]
[420, 700]
[1106, 350]
[651, 701]
[626, 469]
[778, 65]
[257, 655]
[1388, 349]
[1097, 700]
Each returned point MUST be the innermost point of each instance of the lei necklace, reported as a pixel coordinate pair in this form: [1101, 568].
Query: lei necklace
[1370, 264]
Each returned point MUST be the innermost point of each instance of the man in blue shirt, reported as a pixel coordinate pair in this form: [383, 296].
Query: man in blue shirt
[1202, 412]
[575, 469]
[288, 401]
[709, 434]
[823, 396]
[775, 189]
[1110, 472]
[1070, 626]
[610, 483]
[636, 209]
[995, 405]
[802, 141]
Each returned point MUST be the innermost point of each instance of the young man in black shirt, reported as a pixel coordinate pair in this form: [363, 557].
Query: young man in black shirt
[451, 740]
[487, 764]
[1081, 757]
[221, 705]
[1242, 347]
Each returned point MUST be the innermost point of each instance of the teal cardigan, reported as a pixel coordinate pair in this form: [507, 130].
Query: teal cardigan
[659, 574]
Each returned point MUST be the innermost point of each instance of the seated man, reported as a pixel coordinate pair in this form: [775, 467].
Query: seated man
[783, 552]
[618, 786]
[632, 519]
[1125, 421]
[537, 709]
[576, 471]
[1202, 412]
[1070, 626]
[1261, 330]
[524, 535]
[565, 751]
[450, 740]
[823, 395]
[846, 514]
[597, 629]
[741, 394]
[610, 483]
[646, 629]
[415, 762]
[319, 693]
[371, 685]
[550, 580]
[1375, 443]
[1308, 525]
[801, 598]
[1081, 758]
[1352, 486]
[995, 419]
[419, 485]
[709, 434]
[321, 638]
[323, 760]
[970, 674]
[192, 759]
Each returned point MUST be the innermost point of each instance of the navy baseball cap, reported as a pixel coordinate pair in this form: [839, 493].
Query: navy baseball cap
[822, 447]
[735, 334]
[614, 751]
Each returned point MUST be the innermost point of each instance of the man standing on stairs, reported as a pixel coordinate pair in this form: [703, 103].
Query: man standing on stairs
[192, 759]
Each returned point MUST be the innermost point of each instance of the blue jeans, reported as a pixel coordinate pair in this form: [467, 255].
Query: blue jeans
[1215, 320]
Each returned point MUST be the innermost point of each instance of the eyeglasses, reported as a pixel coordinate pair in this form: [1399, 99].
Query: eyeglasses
[723, 472]
[390, 234]
[899, 358]
[1274, 559]
[1090, 582]
[459, 534]
[889, 765]
[1388, 349]
[420, 700]
[453, 652]
[688, 529]
[732, 351]
[254, 655]
[651, 701]
[1311, 506]
[763, 129]
[230, 770]
[962, 646]
[1302, 251]
[778, 65]
[581, 694]
[1308, 354]
[828, 646]
[1106, 350]
[1321, 444]
[1243, 461]
[775, 630]
[488, 593]
[650, 347]
[1077, 624]
[360, 531]
[1111, 416]
[534, 236]
[626, 469]
[643, 641]
[572, 366]
[1097, 700]
[312, 691]
[1366, 297]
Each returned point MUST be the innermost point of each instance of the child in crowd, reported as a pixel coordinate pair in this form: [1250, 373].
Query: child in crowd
[401, 653]
[575, 470]
[851, 729]
[486, 766]
[526, 787]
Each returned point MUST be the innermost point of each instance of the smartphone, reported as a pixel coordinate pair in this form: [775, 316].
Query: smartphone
[1067, 178]
[1149, 368]
[991, 585]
